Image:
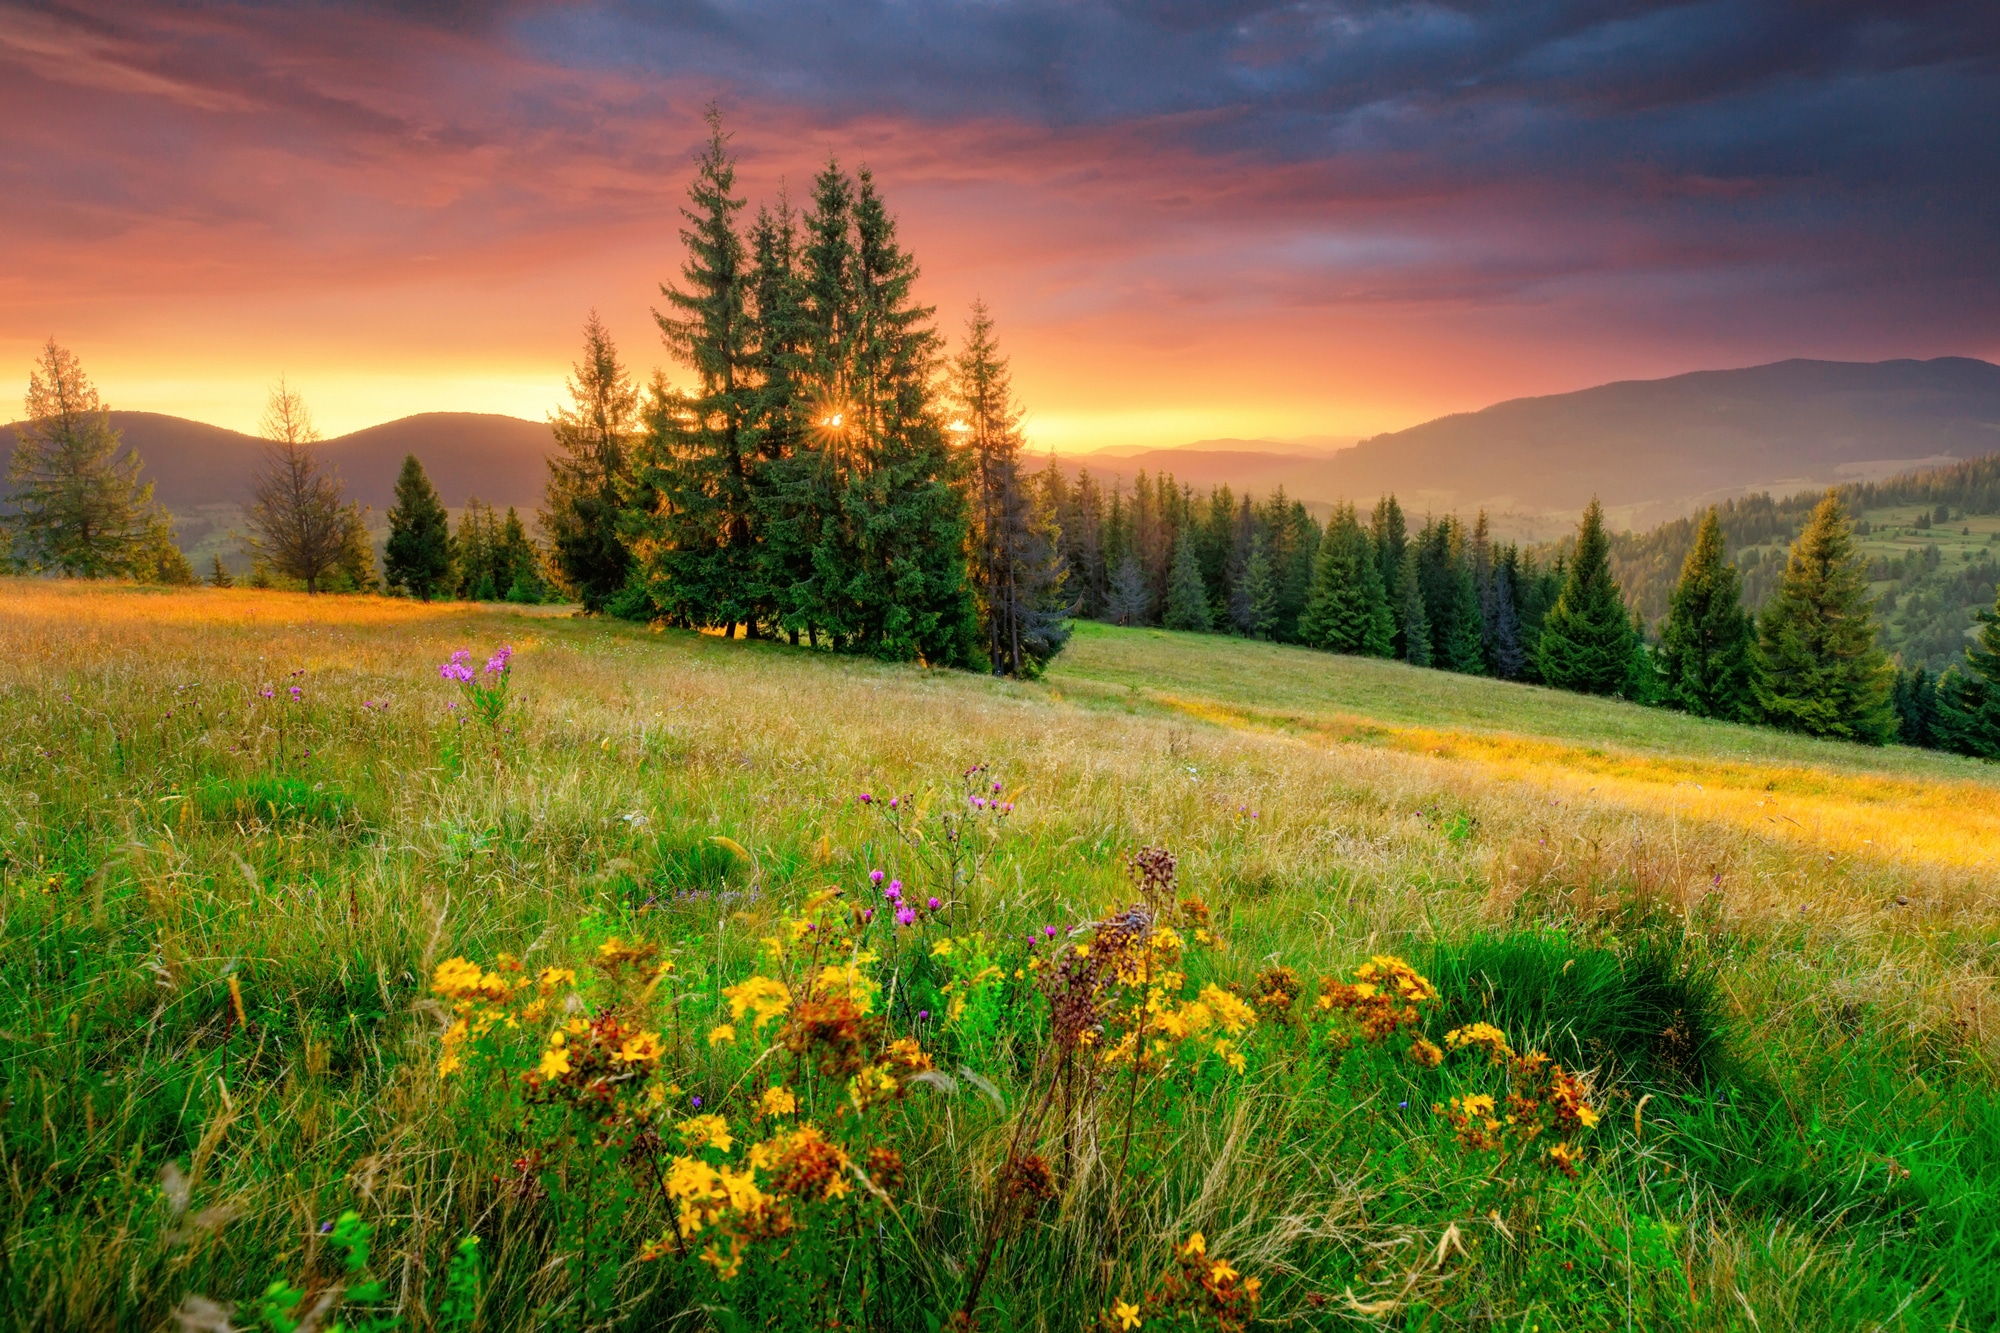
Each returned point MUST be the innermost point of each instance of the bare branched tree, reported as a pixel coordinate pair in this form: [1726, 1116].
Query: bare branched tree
[296, 511]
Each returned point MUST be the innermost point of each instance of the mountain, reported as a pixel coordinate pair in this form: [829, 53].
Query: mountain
[499, 459]
[1650, 449]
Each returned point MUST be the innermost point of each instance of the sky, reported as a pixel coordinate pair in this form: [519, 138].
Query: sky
[1190, 218]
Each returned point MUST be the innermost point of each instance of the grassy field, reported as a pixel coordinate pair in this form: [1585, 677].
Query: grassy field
[705, 1093]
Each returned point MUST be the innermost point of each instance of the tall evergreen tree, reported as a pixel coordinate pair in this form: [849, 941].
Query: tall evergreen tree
[1242, 614]
[517, 565]
[354, 567]
[474, 548]
[77, 506]
[1451, 597]
[1967, 708]
[1506, 655]
[218, 574]
[418, 554]
[1413, 622]
[1131, 599]
[159, 558]
[1187, 595]
[1017, 571]
[1262, 582]
[1587, 641]
[1346, 609]
[1706, 642]
[590, 475]
[696, 549]
[1822, 671]
[1916, 703]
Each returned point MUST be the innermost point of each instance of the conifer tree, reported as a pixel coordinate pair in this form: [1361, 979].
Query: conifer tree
[1187, 596]
[1263, 585]
[696, 548]
[1346, 609]
[1414, 624]
[77, 506]
[517, 564]
[473, 550]
[218, 574]
[1706, 642]
[1017, 573]
[1451, 599]
[418, 555]
[590, 475]
[159, 558]
[1242, 614]
[354, 567]
[1821, 670]
[1587, 641]
[1506, 656]
[1131, 599]
[1916, 704]
[1388, 533]
[1967, 708]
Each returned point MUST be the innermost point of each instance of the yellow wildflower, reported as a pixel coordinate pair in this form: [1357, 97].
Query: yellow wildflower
[720, 1033]
[641, 1049]
[707, 1131]
[1426, 1053]
[779, 1101]
[1229, 1010]
[1196, 1245]
[555, 1062]
[1126, 1313]
[1221, 1271]
[759, 996]
[1229, 1053]
[942, 949]
[1482, 1035]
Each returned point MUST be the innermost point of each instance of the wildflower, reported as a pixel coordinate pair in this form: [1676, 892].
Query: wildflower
[942, 949]
[497, 663]
[1564, 1158]
[721, 1033]
[1222, 1271]
[1195, 1246]
[1426, 1053]
[642, 1049]
[459, 668]
[1126, 1313]
[760, 997]
[895, 888]
[1049, 931]
[555, 1060]
[1231, 1012]
[1483, 1036]
[866, 798]
[778, 1101]
[905, 916]
[1230, 1054]
[707, 1131]
[874, 877]
[933, 904]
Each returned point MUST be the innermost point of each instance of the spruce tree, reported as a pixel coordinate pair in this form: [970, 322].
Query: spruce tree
[1017, 567]
[1706, 642]
[1413, 622]
[590, 475]
[354, 566]
[1346, 609]
[218, 574]
[1242, 614]
[1916, 704]
[1130, 601]
[1451, 598]
[518, 565]
[77, 505]
[696, 546]
[1187, 595]
[159, 558]
[1821, 670]
[1388, 534]
[418, 555]
[1967, 709]
[1506, 655]
[1263, 585]
[1587, 641]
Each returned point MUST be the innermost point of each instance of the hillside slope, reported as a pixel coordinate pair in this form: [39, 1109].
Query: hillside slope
[1652, 450]
[500, 459]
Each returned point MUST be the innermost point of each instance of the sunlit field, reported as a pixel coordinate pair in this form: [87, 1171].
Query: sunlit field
[326, 996]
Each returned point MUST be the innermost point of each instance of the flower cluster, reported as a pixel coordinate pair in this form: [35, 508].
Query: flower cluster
[1542, 1100]
[1385, 997]
[487, 691]
[1200, 1290]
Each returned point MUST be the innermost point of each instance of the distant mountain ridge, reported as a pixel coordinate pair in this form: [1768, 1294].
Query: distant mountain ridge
[500, 459]
[1651, 450]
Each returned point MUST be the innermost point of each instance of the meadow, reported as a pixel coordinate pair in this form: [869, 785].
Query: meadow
[1202, 984]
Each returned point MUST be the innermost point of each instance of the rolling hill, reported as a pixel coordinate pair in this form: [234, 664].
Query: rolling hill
[1652, 450]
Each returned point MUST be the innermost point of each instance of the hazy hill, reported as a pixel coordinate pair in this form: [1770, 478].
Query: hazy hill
[497, 458]
[1651, 449]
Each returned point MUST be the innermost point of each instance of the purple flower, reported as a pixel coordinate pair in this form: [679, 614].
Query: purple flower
[867, 914]
[895, 888]
[497, 663]
[996, 784]
[867, 798]
[696, 1099]
[892, 803]
[874, 877]
[923, 1015]
[979, 802]
[906, 916]
[459, 668]
[934, 904]
[1049, 931]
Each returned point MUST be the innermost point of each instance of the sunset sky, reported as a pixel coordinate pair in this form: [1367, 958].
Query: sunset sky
[1190, 219]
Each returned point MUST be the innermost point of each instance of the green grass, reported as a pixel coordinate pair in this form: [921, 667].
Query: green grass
[1795, 1069]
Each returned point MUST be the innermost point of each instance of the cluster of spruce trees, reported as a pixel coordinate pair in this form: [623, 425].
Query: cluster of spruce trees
[489, 559]
[827, 476]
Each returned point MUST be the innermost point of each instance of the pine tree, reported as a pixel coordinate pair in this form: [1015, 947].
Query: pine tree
[1130, 601]
[1388, 534]
[297, 514]
[473, 550]
[590, 475]
[1414, 624]
[696, 546]
[1967, 717]
[1242, 615]
[418, 554]
[1017, 570]
[260, 573]
[77, 504]
[354, 567]
[517, 564]
[1451, 599]
[1916, 704]
[1822, 672]
[1187, 595]
[1506, 655]
[1263, 585]
[1587, 641]
[1706, 643]
[218, 575]
[1346, 609]
[159, 558]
